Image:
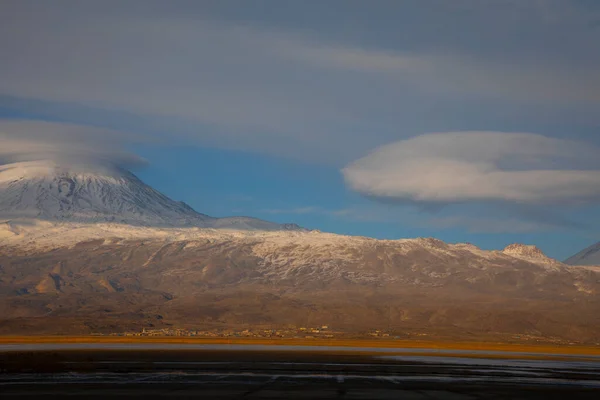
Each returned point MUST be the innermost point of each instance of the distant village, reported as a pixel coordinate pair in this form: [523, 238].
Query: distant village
[315, 332]
[323, 331]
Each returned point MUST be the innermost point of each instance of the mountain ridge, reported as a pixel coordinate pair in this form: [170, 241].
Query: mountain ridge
[82, 278]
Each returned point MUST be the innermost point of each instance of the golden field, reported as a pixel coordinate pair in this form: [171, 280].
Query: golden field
[356, 344]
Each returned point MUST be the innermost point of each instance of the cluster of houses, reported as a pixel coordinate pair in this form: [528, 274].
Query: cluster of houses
[322, 331]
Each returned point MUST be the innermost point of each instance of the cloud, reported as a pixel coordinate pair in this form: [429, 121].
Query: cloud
[458, 167]
[285, 91]
[464, 74]
[26, 140]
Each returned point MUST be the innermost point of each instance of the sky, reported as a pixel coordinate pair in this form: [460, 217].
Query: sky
[466, 120]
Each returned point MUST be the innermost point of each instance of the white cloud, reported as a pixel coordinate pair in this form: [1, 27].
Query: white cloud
[480, 166]
[26, 140]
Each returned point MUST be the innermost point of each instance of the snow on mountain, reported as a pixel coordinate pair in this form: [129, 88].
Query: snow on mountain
[589, 256]
[52, 191]
[45, 203]
[298, 260]
[48, 190]
[423, 285]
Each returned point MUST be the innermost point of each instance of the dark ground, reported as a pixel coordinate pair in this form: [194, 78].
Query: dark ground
[211, 374]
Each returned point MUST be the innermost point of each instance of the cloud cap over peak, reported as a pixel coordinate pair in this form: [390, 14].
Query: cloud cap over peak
[459, 167]
[31, 140]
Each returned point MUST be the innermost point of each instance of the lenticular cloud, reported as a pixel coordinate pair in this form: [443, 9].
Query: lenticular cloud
[479, 166]
[28, 140]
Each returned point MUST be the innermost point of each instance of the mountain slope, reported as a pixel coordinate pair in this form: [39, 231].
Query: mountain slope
[589, 256]
[71, 278]
[51, 191]
[93, 249]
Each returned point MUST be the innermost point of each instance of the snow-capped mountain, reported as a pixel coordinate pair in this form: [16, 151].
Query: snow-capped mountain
[84, 246]
[589, 256]
[52, 191]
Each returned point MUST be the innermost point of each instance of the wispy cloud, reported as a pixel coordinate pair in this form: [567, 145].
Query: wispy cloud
[464, 75]
[507, 221]
[282, 91]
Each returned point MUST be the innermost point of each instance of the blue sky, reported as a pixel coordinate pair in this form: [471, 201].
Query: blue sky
[466, 120]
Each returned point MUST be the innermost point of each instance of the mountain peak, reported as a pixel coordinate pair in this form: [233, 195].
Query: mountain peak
[86, 192]
[79, 191]
[47, 168]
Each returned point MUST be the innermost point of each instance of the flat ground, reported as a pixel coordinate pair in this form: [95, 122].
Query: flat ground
[117, 367]
[358, 345]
